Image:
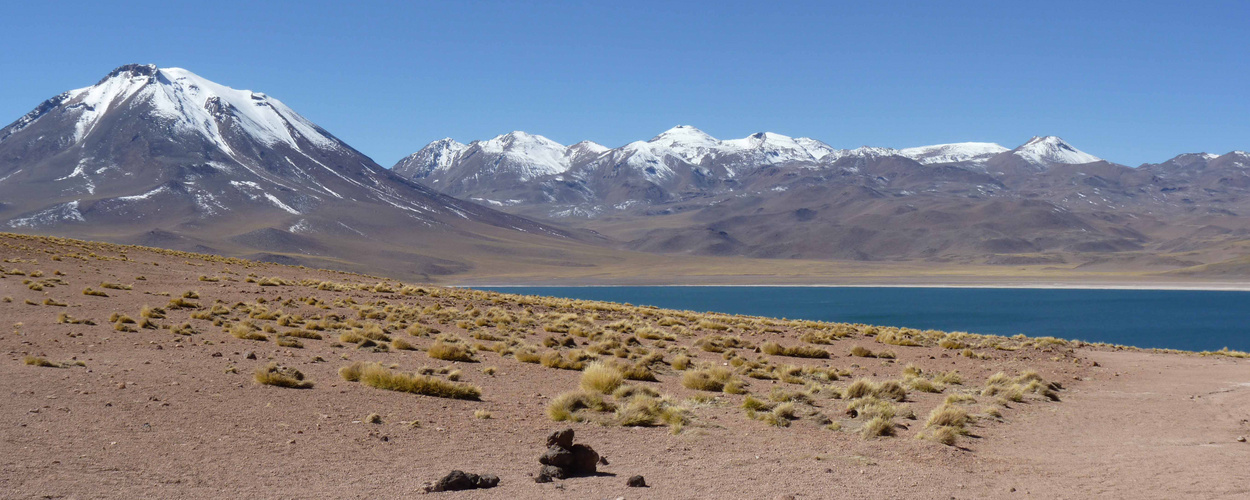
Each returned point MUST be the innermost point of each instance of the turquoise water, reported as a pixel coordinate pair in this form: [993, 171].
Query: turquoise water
[1191, 320]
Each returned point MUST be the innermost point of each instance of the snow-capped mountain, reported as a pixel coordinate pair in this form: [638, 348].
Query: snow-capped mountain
[150, 148]
[437, 156]
[960, 152]
[1049, 150]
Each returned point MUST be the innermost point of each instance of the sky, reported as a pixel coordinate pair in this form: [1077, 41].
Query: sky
[1132, 82]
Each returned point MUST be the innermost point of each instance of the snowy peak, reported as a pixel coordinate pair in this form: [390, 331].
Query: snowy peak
[1048, 150]
[527, 155]
[583, 151]
[953, 153]
[191, 103]
[814, 147]
[687, 143]
[436, 156]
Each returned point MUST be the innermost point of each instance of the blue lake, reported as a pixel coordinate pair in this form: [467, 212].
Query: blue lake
[1190, 320]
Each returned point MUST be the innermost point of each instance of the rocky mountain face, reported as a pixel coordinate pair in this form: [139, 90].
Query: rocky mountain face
[1044, 202]
[162, 156]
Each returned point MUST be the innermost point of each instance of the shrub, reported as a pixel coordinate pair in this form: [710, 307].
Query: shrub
[400, 344]
[289, 342]
[706, 379]
[681, 362]
[889, 389]
[947, 416]
[38, 361]
[281, 376]
[376, 376]
[878, 426]
[799, 351]
[566, 406]
[862, 352]
[246, 331]
[601, 378]
[553, 359]
[944, 435]
[450, 351]
[94, 293]
[303, 334]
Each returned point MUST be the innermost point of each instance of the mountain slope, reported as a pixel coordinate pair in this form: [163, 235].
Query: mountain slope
[163, 154]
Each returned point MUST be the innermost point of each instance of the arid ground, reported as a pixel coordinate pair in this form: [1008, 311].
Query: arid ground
[147, 386]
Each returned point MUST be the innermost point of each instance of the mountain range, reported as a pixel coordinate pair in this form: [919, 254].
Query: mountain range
[164, 157]
[772, 196]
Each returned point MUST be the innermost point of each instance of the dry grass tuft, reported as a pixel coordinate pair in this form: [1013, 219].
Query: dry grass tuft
[246, 331]
[377, 376]
[565, 407]
[798, 351]
[878, 427]
[281, 376]
[711, 379]
[450, 351]
[38, 361]
[601, 378]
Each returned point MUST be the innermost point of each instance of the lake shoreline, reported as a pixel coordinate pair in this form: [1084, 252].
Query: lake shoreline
[1203, 287]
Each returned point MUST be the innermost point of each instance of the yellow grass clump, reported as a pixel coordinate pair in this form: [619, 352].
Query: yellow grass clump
[450, 351]
[377, 376]
[798, 351]
[38, 361]
[565, 407]
[601, 378]
[281, 376]
[712, 379]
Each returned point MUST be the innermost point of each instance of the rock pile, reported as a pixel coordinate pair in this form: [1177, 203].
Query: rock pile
[563, 459]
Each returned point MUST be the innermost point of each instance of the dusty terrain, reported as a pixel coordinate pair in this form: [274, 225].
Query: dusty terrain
[172, 409]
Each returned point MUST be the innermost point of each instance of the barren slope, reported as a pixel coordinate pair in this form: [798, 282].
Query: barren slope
[173, 410]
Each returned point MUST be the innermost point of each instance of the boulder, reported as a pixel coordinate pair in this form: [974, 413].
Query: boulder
[561, 439]
[585, 460]
[559, 457]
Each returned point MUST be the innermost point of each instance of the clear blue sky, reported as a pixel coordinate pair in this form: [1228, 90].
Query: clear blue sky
[1131, 82]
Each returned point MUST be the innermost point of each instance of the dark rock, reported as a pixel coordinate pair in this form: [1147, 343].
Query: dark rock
[603, 460]
[554, 472]
[456, 481]
[460, 480]
[562, 439]
[251, 355]
[486, 481]
[585, 460]
[559, 457]
[636, 482]
[542, 478]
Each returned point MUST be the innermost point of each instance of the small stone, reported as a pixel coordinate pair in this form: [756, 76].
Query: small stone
[1241, 439]
[636, 482]
[251, 355]
[562, 439]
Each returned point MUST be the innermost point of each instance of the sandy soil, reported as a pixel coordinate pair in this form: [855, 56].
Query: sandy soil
[153, 414]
